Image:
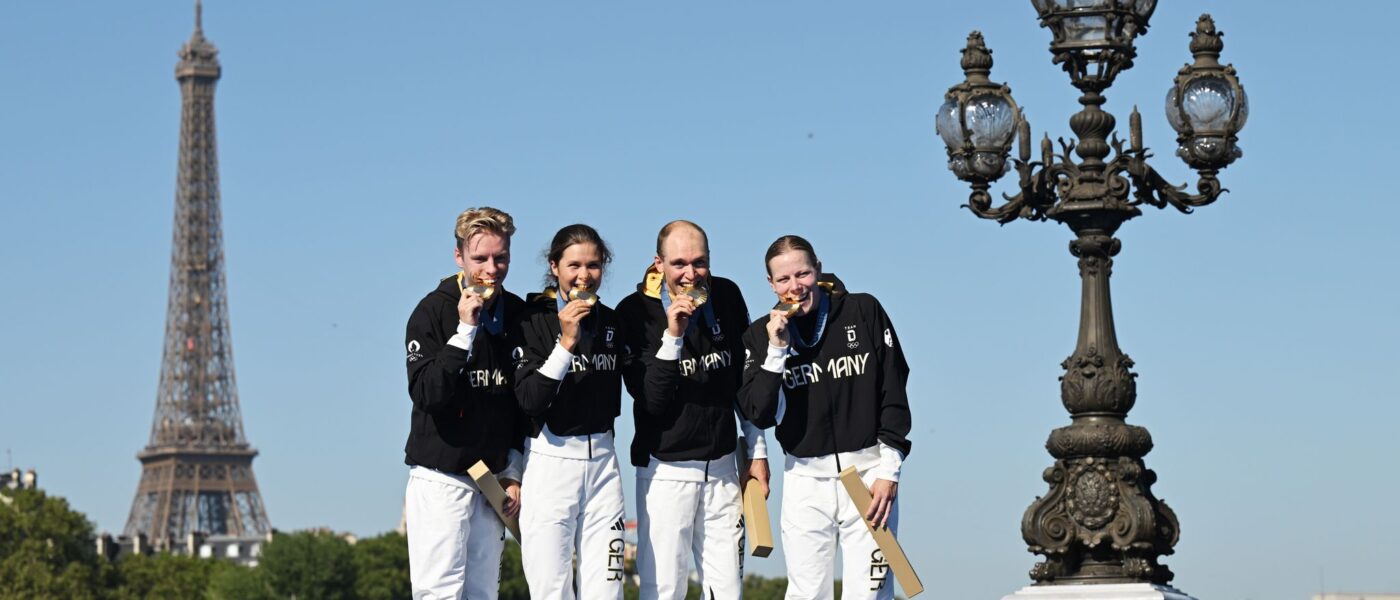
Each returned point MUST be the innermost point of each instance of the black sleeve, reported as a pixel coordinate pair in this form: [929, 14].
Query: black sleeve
[535, 391]
[523, 426]
[629, 356]
[741, 312]
[893, 375]
[758, 394]
[434, 368]
[663, 378]
[631, 326]
[652, 382]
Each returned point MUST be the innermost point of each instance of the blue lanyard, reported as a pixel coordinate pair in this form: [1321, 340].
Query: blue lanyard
[495, 319]
[824, 308]
[707, 310]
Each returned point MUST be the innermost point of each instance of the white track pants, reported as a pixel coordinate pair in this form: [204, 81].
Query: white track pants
[454, 538]
[568, 506]
[817, 512]
[678, 520]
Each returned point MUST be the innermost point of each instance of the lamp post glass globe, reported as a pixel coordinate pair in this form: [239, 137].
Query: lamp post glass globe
[1140, 7]
[1088, 28]
[978, 135]
[1207, 115]
[992, 120]
[1208, 105]
[949, 125]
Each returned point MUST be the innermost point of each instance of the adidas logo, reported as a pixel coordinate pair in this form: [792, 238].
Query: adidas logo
[618, 526]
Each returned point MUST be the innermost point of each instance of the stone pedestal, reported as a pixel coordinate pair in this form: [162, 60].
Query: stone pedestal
[1102, 591]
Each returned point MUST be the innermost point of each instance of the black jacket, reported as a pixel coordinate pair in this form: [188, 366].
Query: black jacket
[463, 410]
[684, 409]
[844, 393]
[590, 395]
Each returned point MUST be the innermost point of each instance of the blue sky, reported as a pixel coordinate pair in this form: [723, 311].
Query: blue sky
[351, 133]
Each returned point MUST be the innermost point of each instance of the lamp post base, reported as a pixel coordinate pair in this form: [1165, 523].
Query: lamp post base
[1099, 591]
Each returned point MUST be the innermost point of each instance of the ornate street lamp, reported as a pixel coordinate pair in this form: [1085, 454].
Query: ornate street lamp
[1099, 523]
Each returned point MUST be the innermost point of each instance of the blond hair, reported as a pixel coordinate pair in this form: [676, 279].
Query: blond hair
[483, 220]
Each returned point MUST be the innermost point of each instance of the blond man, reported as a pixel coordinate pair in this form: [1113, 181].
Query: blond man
[460, 340]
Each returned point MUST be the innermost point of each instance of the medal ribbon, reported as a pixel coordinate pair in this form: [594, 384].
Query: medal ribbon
[495, 321]
[823, 309]
[707, 310]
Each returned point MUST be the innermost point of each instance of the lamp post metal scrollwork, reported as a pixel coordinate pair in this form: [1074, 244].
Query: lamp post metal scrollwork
[1099, 522]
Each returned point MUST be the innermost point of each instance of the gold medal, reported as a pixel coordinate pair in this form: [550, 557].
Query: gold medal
[584, 295]
[697, 293]
[789, 307]
[484, 288]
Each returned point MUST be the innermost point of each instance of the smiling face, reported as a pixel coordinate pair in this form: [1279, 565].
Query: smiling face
[484, 257]
[581, 266]
[684, 259]
[794, 279]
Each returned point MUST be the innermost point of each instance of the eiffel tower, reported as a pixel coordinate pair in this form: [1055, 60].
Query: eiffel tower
[197, 470]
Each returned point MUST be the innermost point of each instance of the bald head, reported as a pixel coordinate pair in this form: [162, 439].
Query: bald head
[682, 254]
[687, 233]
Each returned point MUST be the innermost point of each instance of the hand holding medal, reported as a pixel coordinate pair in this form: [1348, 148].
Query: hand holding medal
[571, 316]
[474, 296]
[786, 308]
[690, 297]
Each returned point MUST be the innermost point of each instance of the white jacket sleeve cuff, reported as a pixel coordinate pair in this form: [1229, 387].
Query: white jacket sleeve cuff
[755, 443]
[515, 467]
[463, 338]
[670, 347]
[558, 363]
[891, 461]
[773, 363]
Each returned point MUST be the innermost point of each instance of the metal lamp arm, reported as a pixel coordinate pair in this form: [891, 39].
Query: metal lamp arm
[1150, 187]
[1030, 203]
[1036, 179]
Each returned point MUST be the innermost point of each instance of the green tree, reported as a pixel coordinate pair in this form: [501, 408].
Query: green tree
[513, 586]
[381, 568]
[46, 549]
[230, 581]
[765, 588]
[160, 577]
[309, 565]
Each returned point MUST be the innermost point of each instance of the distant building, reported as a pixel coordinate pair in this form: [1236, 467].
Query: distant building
[14, 480]
[243, 550]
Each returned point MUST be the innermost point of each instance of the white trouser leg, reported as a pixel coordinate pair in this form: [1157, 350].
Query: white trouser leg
[485, 543]
[549, 514]
[809, 536]
[666, 513]
[454, 539]
[865, 574]
[600, 533]
[718, 542]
